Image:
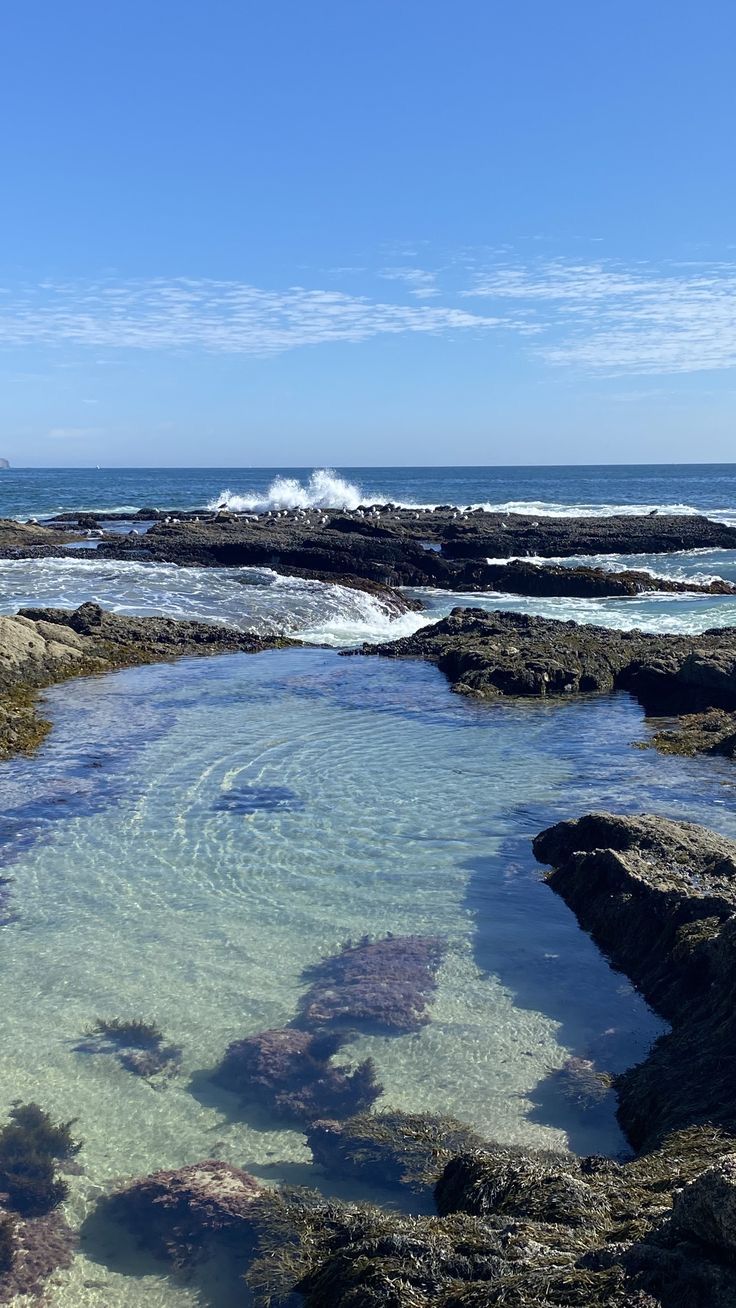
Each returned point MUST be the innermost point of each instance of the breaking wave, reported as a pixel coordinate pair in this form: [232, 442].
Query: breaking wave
[324, 490]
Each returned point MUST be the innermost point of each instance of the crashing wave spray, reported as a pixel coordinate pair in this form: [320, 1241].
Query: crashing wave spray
[324, 490]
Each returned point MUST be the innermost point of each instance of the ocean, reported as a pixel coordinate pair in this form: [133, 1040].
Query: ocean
[138, 890]
[678, 488]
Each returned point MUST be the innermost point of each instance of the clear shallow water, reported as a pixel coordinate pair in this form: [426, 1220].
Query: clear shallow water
[138, 892]
[709, 488]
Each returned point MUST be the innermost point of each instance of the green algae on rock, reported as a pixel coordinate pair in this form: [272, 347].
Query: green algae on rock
[391, 1148]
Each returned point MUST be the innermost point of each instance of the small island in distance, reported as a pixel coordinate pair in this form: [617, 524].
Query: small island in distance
[4, 463]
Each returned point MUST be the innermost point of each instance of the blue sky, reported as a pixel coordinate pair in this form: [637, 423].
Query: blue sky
[367, 231]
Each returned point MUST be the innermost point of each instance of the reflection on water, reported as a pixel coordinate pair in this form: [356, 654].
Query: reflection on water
[228, 822]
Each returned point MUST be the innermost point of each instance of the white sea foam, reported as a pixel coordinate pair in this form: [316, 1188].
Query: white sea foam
[324, 490]
[253, 599]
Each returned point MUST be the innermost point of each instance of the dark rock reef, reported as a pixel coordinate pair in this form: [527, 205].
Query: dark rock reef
[490, 655]
[406, 546]
[379, 986]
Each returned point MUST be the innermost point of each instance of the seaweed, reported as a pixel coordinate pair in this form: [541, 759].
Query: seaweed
[139, 1046]
[391, 1148]
[127, 1031]
[30, 1147]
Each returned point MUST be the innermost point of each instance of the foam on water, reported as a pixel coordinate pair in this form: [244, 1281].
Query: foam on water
[161, 901]
[253, 599]
[324, 490]
[323, 613]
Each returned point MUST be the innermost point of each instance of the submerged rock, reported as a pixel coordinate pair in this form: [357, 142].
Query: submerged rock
[379, 984]
[391, 1148]
[175, 1213]
[291, 1073]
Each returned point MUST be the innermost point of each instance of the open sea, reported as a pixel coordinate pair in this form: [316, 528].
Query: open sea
[138, 890]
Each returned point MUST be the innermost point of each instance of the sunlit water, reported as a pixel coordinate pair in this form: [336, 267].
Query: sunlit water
[138, 893]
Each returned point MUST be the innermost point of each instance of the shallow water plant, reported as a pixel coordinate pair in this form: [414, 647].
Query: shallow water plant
[31, 1145]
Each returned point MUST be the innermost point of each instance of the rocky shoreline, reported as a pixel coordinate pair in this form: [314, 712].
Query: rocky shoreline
[489, 655]
[513, 1227]
[40, 647]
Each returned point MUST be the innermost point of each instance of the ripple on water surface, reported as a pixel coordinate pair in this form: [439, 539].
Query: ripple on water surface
[228, 822]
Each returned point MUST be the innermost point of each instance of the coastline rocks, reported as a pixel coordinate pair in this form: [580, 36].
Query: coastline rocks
[494, 654]
[706, 1209]
[491, 654]
[384, 984]
[175, 1213]
[713, 732]
[391, 1148]
[290, 1073]
[545, 580]
[446, 548]
[514, 1183]
[659, 898]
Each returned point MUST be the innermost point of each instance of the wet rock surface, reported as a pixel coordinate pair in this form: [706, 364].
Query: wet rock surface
[490, 655]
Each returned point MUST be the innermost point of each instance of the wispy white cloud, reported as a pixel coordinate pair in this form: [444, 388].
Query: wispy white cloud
[624, 319]
[418, 281]
[217, 316]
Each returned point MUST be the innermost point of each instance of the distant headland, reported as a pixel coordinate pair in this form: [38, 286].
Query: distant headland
[4, 463]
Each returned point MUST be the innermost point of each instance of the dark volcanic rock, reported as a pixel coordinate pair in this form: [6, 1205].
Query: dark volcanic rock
[494, 654]
[521, 578]
[398, 547]
[384, 984]
[291, 1074]
[659, 897]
